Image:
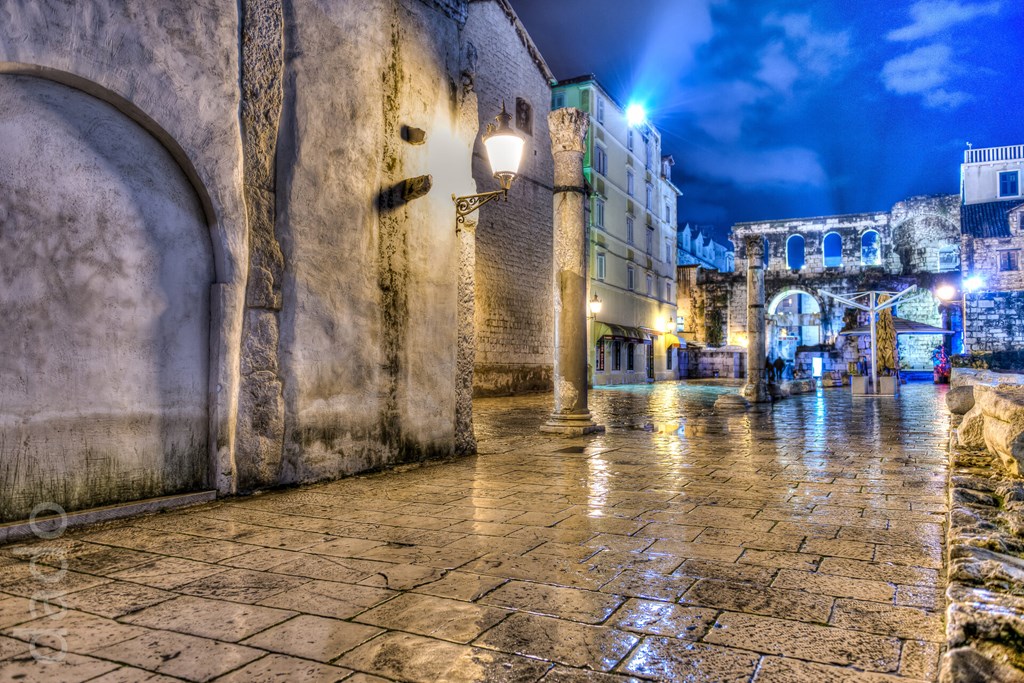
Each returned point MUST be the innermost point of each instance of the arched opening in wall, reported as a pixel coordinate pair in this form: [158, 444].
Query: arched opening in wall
[767, 252]
[793, 322]
[870, 249]
[832, 250]
[106, 264]
[795, 257]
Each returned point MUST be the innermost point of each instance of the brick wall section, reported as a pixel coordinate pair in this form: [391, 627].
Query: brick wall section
[995, 321]
[514, 315]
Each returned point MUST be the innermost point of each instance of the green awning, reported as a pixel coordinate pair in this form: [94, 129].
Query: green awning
[620, 332]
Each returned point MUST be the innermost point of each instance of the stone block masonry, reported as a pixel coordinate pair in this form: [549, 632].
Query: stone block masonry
[223, 185]
[514, 318]
[995, 321]
[985, 531]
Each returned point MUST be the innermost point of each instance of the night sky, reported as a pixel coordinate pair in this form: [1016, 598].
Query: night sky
[789, 108]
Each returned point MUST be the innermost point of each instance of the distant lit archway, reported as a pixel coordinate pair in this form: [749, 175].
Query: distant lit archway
[794, 322]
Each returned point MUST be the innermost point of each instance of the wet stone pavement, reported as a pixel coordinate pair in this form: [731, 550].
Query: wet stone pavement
[801, 544]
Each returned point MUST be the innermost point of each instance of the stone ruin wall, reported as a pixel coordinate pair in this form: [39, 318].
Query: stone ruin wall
[910, 237]
[331, 299]
[514, 310]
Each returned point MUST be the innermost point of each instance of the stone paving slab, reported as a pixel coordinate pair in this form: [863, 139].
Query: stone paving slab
[799, 544]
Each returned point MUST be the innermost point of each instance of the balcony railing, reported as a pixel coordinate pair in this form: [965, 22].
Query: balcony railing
[1010, 153]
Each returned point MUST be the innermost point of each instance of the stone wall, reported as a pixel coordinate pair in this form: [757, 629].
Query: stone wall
[985, 531]
[723, 363]
[277, 165]
[514, 316]
[910, 235]
[995, 321]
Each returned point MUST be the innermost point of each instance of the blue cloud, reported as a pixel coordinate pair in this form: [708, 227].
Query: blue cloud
[935, 16]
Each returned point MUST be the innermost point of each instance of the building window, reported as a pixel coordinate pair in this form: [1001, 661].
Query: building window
[650, 286]
[650, 196]
[600, 267]
[629, 229]
[630, 278]
[1009, 184]
[668, 290]
[668, 357]
[1009, 260]
[600, 109]
[832, 250]
[558, 100]
[668, 212]
[630, 357]
[599, 212]
[524, 116]
[629, 183]
[870, 249]
[629, 139]
[617, 356]
[600, 160]
[668, 251]
[647, 154]
[650, 241]
[599, 356]
[795, 252]
[949, 258]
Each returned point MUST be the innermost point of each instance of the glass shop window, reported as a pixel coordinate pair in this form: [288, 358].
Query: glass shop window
[617, 356]
[599, 357]
[630, 357]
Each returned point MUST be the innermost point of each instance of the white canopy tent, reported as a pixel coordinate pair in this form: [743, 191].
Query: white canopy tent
[869, 302]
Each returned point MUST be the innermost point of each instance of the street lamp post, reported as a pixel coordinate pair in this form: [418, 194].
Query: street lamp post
[948, 293]
[594, 305]
[504, 153]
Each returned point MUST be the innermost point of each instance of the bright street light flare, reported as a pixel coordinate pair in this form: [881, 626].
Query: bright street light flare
[636, 115]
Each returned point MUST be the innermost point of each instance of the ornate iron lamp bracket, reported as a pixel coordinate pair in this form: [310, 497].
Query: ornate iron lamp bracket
[470, 203]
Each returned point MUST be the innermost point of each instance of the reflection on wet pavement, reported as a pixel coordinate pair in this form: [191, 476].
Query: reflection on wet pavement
[798, 544]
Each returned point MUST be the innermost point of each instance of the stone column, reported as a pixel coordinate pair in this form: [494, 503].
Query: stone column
[465, 439]
[570, 416]
[755, 390]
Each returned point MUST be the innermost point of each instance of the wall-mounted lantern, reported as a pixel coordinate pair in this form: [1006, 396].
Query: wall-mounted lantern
[595, 306]
[504, 153]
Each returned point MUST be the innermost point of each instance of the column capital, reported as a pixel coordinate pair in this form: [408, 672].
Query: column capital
[568, 128]
[755, 248]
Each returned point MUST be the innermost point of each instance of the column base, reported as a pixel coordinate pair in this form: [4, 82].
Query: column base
[571, 425]
[755, 392]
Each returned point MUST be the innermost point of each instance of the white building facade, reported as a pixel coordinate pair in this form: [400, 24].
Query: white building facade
[632, 240]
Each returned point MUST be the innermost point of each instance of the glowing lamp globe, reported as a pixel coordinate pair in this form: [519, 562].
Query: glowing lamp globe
[504, 149]
[974, 283]
[635, 115]
[595, 305]
[946, 292]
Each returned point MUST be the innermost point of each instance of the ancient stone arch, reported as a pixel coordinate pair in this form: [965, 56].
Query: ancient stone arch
[114, 246]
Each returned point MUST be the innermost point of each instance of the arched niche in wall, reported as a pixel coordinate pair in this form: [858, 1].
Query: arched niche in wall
[795, 252]
[870, 248]
[832, 250]
[106, 263]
